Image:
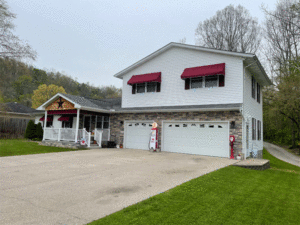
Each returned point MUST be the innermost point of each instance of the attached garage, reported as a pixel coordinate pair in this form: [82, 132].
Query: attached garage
[137, 134]
[201, 138]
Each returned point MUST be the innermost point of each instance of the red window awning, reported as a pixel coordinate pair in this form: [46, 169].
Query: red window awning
[149, 77]
[60, 112]
[64, 118]
[49, 118]
[209, 70]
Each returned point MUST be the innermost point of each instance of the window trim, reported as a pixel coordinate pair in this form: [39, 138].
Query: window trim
[253, 88]
[258, 130]
[189, 80]
[157, 88]
[258, 91]
[254, 129]
[102, 122]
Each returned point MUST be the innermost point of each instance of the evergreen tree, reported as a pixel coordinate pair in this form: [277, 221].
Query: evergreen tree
[39, 132]
[30, 132]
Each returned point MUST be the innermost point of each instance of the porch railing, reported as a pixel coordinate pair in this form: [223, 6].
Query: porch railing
[98, 136]
[105, 134]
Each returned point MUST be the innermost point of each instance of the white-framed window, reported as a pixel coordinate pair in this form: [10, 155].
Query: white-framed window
[204, 82]
[253, 129]
[102, 122]
[258, 92]
[146, 87]
[253, 87]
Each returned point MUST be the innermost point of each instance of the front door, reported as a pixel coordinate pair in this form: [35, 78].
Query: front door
[87, 123]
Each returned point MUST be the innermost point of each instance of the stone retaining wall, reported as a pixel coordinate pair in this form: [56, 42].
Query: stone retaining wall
[117, 122]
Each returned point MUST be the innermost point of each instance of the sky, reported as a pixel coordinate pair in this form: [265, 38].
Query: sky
[91, 40]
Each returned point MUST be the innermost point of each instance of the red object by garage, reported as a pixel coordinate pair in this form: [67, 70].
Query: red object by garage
[209, 70]
[143, 78]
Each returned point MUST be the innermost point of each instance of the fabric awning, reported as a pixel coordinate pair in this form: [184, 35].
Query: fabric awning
[209, 70]
[64, 118]
[49, 118]
[60, 112]
[149, 77]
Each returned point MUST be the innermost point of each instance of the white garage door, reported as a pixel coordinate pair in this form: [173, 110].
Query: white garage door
[137, 134]
[202, 138]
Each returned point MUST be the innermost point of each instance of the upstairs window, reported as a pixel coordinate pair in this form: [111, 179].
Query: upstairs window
[145, 83]
[146, 87]
[253, 87]
[204, 82]
[197, 82]
[204, 76]
[211, 81]
[140, 88]
[258, 93]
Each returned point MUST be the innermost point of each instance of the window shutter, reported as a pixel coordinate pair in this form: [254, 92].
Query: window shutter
[158, 87]
[133, 88]
[221, 81]
[187, 83]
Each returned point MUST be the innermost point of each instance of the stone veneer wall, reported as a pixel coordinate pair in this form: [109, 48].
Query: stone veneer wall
[117, 129]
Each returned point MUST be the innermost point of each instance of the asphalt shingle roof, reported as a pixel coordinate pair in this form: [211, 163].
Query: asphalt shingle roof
[19, 108]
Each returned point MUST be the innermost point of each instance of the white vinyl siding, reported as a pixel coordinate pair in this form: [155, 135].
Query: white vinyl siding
[252, 109]
[171, 64]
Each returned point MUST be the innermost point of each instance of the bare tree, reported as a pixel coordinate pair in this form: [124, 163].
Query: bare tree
[230, 29]
[282, 27]
[10, 45]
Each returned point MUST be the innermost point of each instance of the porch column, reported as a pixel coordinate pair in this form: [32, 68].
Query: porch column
[45, 123]
[77, 125]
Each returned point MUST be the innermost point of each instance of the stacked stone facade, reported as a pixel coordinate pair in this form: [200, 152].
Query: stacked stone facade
[117, 122]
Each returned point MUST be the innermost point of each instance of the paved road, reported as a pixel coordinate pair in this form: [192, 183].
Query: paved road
[282, 154]
[82, 186]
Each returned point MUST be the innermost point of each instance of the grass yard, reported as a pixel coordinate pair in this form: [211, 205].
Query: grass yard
[23, 147]
[231, 195]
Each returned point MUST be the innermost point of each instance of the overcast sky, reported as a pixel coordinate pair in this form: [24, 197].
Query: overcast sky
[92, 40]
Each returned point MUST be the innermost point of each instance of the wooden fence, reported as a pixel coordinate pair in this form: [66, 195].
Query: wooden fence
[12, 127]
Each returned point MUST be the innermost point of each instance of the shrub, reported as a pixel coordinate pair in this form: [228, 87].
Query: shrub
[39, 132]
[30, 132]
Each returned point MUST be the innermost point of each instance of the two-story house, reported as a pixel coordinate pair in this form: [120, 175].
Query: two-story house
[198, 96]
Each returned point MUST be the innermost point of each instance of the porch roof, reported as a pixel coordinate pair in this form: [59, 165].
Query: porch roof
[98, 105]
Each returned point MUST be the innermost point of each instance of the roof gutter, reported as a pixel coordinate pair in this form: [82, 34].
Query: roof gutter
[177, 110]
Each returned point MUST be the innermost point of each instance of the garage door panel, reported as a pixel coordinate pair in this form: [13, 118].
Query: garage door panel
[137, 134]
[204, 138]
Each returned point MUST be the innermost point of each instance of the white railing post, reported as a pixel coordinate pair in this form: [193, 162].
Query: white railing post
[45, 124]
[77, 125]
[89, 139]
[100, 138]
[58, 136]
[83, 133]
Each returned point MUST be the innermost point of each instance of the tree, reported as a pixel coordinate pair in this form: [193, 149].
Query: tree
[231, 29]
[44, 93]
[282, 37]
[10, 45]
[30, 132]
[39, 132]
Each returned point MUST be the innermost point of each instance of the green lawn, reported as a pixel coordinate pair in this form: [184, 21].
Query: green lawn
[23, 147]
[231, 195]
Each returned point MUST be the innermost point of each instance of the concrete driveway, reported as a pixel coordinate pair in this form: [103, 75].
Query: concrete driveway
[82, 186]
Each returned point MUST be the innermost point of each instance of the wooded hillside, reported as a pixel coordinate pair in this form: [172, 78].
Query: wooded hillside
[18, 81]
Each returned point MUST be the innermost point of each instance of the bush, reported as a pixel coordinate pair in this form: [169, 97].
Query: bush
[39, 132]
[30, 132]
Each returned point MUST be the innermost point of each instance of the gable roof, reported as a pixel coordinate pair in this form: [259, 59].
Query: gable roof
[101, 105]
[249, 59]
